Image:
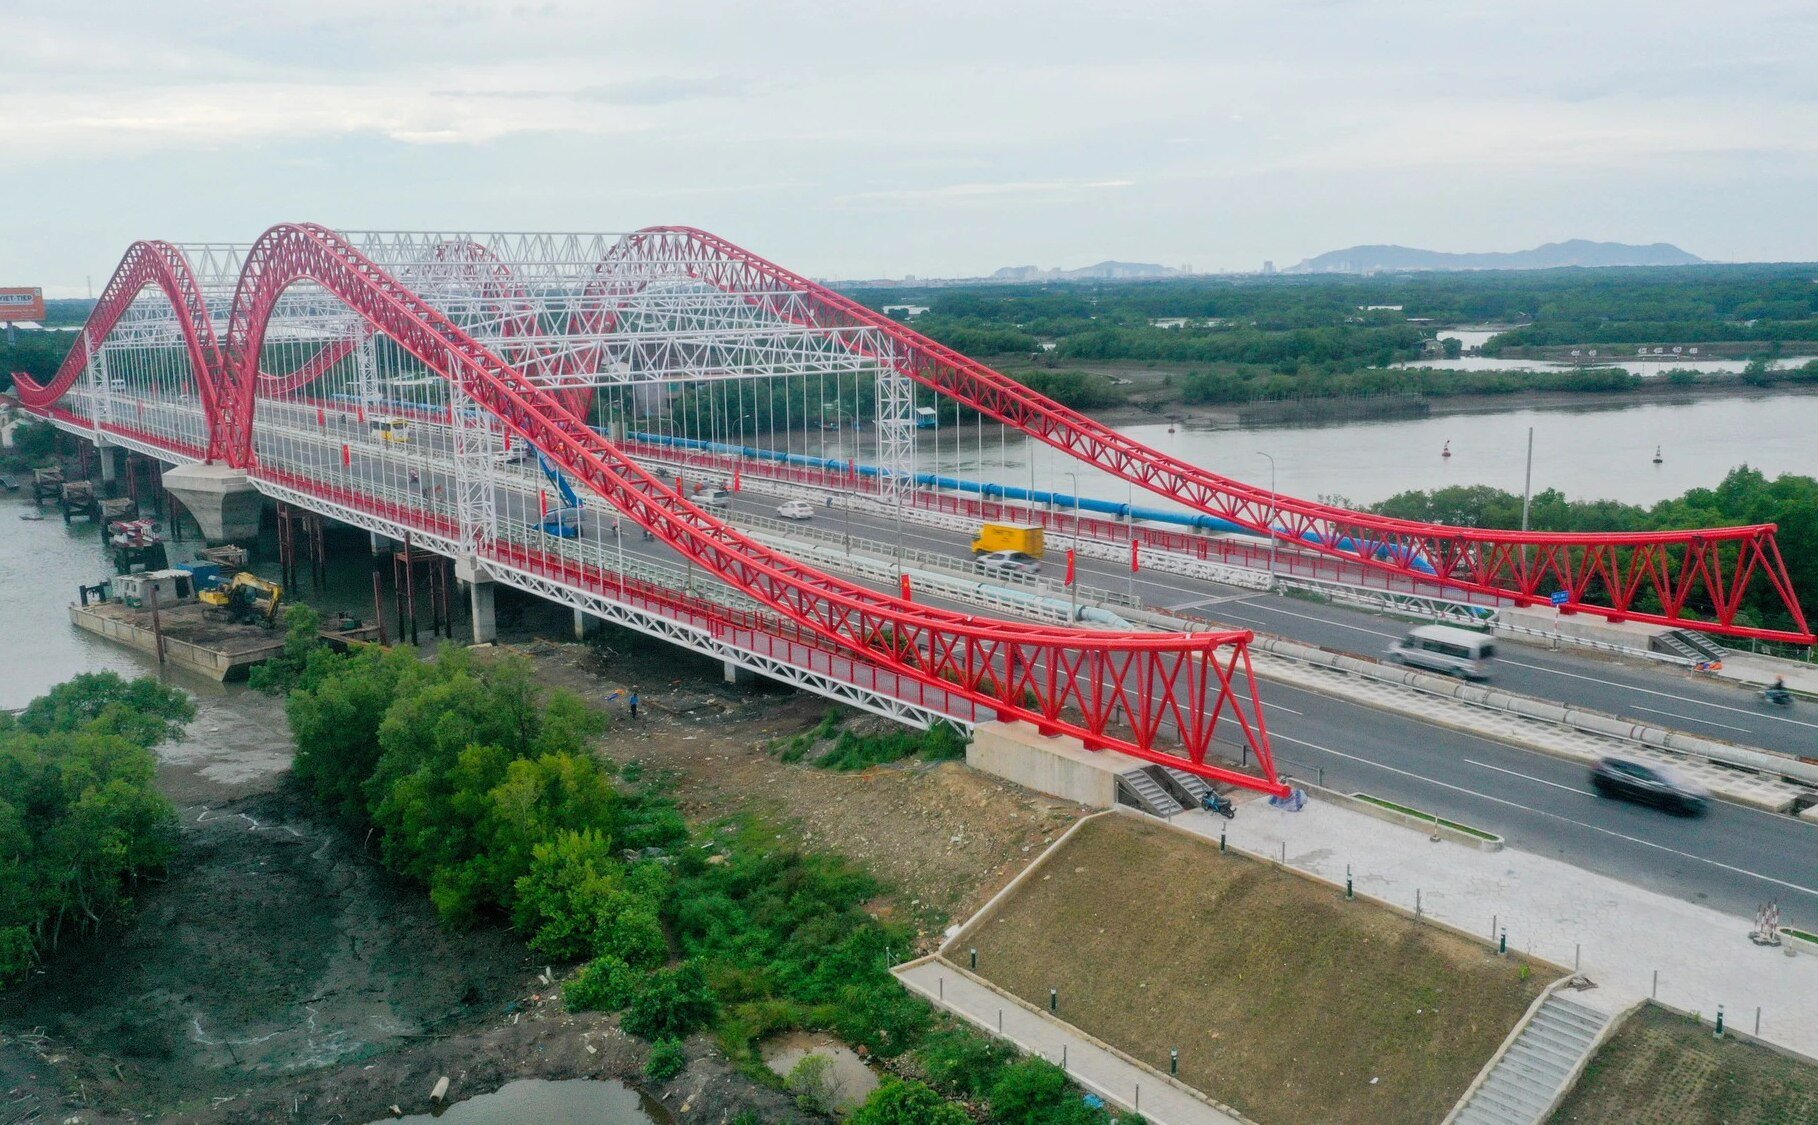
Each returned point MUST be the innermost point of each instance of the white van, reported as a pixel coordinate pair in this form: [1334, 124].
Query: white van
[1442, 648]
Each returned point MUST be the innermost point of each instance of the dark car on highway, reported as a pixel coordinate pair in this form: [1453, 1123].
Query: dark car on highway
[1649, 783]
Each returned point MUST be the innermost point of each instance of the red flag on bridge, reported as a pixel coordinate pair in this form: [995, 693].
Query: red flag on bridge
[906, 590]
[361, 411]
[321, 418]
[542, 503]
[1069, 566]
[735, 478]
[346, 456]
[1134, 564]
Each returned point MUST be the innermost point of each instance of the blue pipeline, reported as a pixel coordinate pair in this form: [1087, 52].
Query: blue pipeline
[1028, 495]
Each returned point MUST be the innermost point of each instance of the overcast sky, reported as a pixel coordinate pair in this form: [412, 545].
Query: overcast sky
[860, 139]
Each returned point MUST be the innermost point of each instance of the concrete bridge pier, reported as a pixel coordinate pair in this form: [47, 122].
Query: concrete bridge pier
[110, 465]
[585, 625]
[734, 674]
[481, 594]
[379, 544]
[222, 499]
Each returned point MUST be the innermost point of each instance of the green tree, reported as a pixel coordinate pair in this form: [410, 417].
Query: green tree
[672, 1003]
[907, 1103]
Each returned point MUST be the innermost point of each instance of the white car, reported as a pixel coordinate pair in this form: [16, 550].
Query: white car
[795, 510]
[516, 455]
[713, 498]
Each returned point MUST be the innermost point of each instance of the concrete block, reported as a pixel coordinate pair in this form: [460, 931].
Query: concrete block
[1810, 814]
[1060, 767]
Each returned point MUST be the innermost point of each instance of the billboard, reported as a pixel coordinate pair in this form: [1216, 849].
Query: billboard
[21, 304]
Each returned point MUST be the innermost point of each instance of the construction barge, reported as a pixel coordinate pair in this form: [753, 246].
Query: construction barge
[181, 632]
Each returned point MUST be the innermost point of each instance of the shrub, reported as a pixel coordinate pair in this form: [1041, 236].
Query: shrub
[1030, 1092]
[671, 1003]
[603, 984]
[906, 1103]
[667, 1059]
[814, 1084]
[961, 1061]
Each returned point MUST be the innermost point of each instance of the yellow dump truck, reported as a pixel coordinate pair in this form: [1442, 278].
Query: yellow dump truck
[1024, 537]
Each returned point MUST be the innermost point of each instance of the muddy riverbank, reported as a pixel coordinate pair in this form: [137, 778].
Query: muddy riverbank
[278, 973]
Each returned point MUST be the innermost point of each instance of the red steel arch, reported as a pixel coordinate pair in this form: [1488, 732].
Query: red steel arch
[1086, 683]
[148, 263]
[1607, 573]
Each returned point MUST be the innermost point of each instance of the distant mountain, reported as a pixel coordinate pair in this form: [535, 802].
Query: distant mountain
[1103, 271]
[1576, 252]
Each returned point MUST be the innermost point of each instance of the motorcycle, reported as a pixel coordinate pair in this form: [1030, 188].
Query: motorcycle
[1780, 696]
[1213, 803]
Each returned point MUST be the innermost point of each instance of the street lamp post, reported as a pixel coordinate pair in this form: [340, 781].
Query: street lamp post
[1073, 551]
[1272, 510]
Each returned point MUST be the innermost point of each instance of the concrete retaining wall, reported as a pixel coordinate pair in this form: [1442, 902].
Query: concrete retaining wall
[1059, 767]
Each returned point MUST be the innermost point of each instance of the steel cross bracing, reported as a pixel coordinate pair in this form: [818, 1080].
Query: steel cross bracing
[1154, 696]
[1666, 577]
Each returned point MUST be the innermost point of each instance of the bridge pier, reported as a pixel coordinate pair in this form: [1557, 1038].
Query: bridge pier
[110, 465]
[378, 543]
[222, 499]
[480, 599]
[585, 625]
[734, 674]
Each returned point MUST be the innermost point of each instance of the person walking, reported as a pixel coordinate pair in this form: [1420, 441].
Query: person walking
[634, 703]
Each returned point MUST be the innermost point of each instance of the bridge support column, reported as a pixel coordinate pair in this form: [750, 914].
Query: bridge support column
[734, 674]
[379, 544]
[585, 624]
[110, 464]
[222, 499]
[480, 602]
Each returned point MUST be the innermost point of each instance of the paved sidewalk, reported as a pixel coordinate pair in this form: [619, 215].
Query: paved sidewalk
[1621, 933]
[1088, 1064]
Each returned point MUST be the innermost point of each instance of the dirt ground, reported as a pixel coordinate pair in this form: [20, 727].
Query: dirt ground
[1661, 1068]
[1284, 1000]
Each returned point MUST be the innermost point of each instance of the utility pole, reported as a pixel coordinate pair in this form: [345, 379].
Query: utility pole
[1527, 481]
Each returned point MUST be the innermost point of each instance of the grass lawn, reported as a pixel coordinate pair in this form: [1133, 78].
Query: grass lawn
[1285, 1001]
[1661, 1067]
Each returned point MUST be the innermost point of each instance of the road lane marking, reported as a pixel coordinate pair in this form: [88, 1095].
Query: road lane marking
[1321, 620]
[1663, 694]
[1691, 719]
[1525, 776]
[1554, 816]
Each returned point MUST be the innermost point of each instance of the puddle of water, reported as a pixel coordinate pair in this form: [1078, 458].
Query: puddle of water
[850, 1080]
[577, 1101]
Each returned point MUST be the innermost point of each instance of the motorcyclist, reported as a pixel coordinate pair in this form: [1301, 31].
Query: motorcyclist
[1778, 693]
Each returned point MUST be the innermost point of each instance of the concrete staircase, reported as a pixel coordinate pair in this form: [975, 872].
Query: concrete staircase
[1136, 788]
[1686, 644]
[1531, 1075]
[1189, 789]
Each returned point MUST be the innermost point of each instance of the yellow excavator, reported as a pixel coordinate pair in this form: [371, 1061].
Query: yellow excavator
[246, 597]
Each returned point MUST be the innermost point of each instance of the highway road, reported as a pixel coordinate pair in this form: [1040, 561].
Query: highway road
[1734, 858]
[1659, 695]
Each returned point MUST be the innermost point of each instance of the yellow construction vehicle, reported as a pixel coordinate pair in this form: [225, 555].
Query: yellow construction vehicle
[246, 597]
[1024, 537]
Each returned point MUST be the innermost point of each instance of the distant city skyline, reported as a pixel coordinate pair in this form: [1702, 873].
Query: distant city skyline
[939, 139]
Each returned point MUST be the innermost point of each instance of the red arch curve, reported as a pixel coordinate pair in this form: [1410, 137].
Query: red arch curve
[148, 263]
[1679, 568]
[1154, 679]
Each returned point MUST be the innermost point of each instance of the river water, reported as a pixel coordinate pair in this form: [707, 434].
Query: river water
[1590, 452]
[1603, 451]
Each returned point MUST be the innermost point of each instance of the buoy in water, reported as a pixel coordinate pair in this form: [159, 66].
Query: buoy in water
[1657, 457]
[1447, 451]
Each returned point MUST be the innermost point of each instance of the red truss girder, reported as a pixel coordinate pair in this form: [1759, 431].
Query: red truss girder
[1707, 570]
[1085, 683]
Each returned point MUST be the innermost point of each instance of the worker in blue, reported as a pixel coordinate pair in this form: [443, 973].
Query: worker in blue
[634, 703]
